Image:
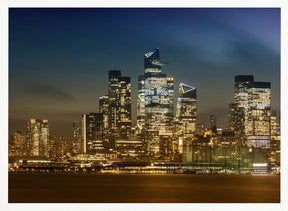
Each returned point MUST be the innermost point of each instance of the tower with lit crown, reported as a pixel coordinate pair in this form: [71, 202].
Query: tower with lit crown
[186, 113]
[154, 102]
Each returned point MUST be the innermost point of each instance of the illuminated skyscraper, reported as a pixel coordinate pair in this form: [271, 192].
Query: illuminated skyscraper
[251, 111]
[38, 136]
[104, 110]
[259, 114]
[44, 138]
[92, 132]
[155, 102]
[186, 113]
[119, 110]
[76, 139]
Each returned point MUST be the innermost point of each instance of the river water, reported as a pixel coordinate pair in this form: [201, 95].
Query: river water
[134, 188]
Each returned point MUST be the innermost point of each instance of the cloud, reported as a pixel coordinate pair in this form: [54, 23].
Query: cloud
[47, 92]
[253, 52]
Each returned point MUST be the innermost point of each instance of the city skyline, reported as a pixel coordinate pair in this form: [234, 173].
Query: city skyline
[61, 91]
[145, 105]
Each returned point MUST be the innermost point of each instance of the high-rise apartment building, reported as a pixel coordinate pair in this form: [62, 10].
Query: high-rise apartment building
[38, 136]
[155, 102]
[186, 113]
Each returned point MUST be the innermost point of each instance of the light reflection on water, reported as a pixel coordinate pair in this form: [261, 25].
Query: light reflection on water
[123, 188]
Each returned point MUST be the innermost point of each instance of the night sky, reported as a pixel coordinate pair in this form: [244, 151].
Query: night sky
[59, 58]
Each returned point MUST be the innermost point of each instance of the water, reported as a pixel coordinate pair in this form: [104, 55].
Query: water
[123, 188]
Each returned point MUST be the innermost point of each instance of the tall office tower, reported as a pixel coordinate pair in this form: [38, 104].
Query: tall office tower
[186, 113]
[44, 138]
[17, 145]
[92, 132]
[76, 139]
[155, 97]
[254, 98]
[119, 94]
[241, 85]
[259, 114]
[124, 111]
[38, 136]
[104, 110]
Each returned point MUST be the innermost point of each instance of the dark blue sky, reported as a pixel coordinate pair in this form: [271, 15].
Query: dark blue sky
[59, 58]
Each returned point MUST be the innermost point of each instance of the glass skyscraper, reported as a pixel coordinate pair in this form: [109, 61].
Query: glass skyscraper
[251, 111]
[186, 113]
[155, 102]
[119, 109]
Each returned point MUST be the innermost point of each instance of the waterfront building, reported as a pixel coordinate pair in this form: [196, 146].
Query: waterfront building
[38, 136]
[155, 102]
[130, 149]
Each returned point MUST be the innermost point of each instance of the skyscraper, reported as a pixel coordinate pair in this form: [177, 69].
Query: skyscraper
[251, 111]
[155, 102]
[92, 133]
[237, 122]
[186, 113]
[119, 110]
[259, 114]
[38, 136]
[76, 139]
[104, 110]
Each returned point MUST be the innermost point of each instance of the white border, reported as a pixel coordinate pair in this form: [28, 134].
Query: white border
[283, 4]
